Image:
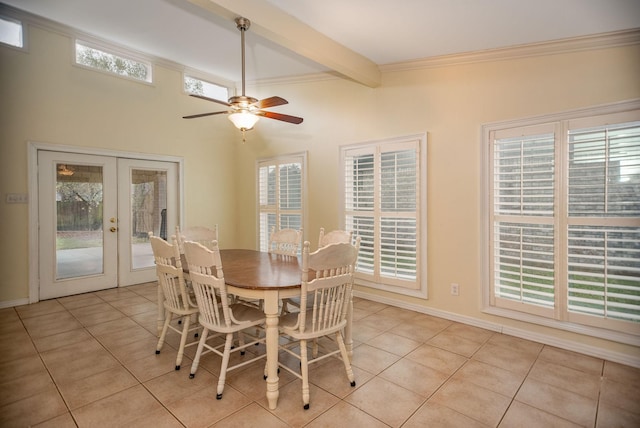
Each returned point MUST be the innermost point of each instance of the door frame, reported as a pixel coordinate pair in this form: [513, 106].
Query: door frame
[32, 170]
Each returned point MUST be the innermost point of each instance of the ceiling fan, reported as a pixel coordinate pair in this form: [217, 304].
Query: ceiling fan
[245, 111]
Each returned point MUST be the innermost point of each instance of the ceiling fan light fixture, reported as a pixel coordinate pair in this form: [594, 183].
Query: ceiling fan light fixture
[243, 119]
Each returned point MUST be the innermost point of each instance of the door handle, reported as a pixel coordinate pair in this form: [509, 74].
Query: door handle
[113, 228]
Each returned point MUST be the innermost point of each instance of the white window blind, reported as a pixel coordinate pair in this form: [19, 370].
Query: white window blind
[564, 220]
[280, 184]
[382, 205]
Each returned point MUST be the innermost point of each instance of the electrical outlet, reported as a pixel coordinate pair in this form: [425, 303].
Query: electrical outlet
[455, 289]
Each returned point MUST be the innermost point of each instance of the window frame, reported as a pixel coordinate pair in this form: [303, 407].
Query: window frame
[414, 288]
[559, 316]
[115, 51]
[198, 76]
[262, 236]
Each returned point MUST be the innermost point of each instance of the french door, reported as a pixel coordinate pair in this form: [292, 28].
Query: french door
[94, 213]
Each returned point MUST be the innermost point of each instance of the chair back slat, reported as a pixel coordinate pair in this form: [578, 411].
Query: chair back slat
[334, 237]
[201, 234]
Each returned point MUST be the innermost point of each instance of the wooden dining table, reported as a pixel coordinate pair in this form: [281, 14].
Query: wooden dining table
[258, 275]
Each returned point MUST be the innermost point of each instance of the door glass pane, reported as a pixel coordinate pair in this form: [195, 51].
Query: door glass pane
[79, 233]
[148, 213]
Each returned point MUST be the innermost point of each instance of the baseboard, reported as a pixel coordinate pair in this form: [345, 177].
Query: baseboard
[568, 345]
[12, 303]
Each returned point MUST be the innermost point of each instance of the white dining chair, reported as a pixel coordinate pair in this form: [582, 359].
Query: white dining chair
[327, 281]
[175, 295]
[285, 242]
[217, 315]
[333, 237]
[201, 234]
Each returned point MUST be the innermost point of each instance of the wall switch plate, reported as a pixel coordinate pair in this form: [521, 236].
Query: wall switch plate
[455, 289]
[16, 198]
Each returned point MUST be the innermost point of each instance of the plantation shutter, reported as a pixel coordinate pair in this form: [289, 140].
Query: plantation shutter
[280, 195]
[382, 207]
[604, 221]
[523, 228]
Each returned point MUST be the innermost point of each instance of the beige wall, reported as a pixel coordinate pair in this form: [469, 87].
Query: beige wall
[44, 98]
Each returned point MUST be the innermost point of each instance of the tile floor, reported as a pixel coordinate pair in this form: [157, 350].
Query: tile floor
[89, 361]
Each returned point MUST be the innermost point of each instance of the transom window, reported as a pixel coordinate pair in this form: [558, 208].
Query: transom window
[97, 58]
[11, 32]
[194, 85]
[564, 220]
[385, 205]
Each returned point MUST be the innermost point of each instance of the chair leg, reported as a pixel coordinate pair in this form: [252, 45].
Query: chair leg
[196, 359]
[186, 323]
[163, 335]
[345, 359]
[225, 363]
[304, 369]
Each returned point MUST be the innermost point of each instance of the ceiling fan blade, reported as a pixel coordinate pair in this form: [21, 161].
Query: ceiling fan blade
[271, 102]
[193, 116]
[202, 97]
[280, 116]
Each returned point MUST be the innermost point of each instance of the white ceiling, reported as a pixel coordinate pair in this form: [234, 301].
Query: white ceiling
[351, 37]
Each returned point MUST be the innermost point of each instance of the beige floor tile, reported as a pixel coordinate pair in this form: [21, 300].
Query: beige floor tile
[560, 402]
[506, 358]
[290, 407]
[435, 415]
[385, 401]
[147, 368]
[380, 321]
[457, 344]
[119, 338]
[25, 386]
[365, 332]
[417, 332]
[50, 324]
[114, 294]
[332, 377]
[38, 309]
[469, 332]
[520, 415]
[621, 395]
[32, 410]
[400, 313]
[515, 343]
[610, 416]
[140, 308]
[73, 363]
[202, 408]
[587, 384]
[251, 416]
[621, 373]
[157, 418]
[113, 326]
[144, 347]
[394, 343]
[415, 377]
[83, 391]
[372, 359]
[16, 345]
[492, 378]
[176, 384]
[15, 369]
[438, 359]
[478, 403]
[63, 421]
[345, 415]
[96, 314]
[368, 305]
[80, 301]
[55, 341]
[572, 359]
[119, 409]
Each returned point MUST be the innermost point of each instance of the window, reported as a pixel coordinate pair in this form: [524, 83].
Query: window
[564, 220]
[196, 86]
[92, 57]
[281, 184]
[385, 205]
[11, 32]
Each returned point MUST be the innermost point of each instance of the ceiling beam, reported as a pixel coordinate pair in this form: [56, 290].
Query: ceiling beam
[279, 27]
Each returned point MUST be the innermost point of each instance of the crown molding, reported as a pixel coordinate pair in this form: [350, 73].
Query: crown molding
[563, 46]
